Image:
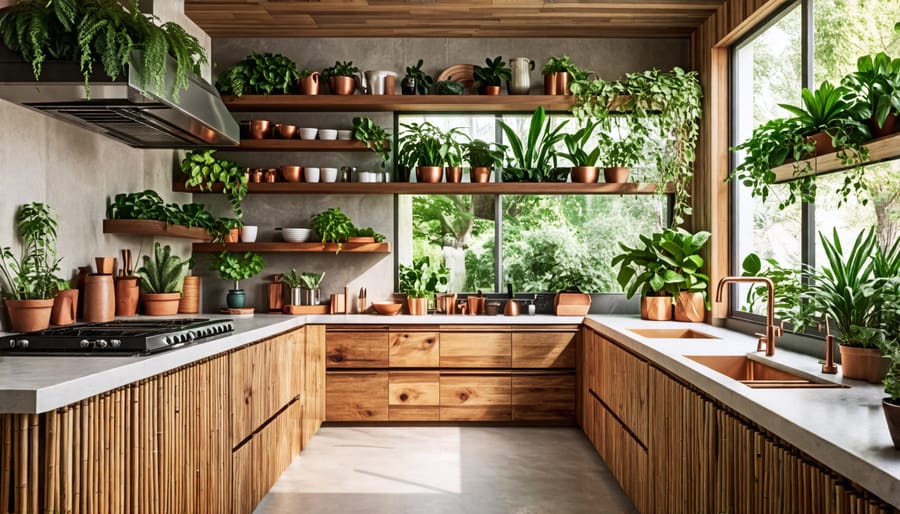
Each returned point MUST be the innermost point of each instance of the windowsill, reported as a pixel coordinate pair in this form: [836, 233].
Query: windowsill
[804, 343]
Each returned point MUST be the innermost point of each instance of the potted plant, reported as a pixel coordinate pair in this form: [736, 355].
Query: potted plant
[533, 159]
[29, 280]
[161, 280]
[618, 156]
[876, 87]
[482, 158]
[490, 77]
[310, 292]
[292, 280]
[449, 87]
[374, 136]
[333, 226]
[416, 80]
[236, 268]
[203, 170]
[259, 74]
[420, 281]
[454, 148]
[308, 82]
[584, 161]
[422, 145]
[889, 342]
[365, 235]
[558, 73]
[342, 78]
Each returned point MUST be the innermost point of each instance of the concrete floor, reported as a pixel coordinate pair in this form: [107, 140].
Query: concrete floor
[437, 470]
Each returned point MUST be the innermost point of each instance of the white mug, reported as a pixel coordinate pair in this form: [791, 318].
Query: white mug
[311, 174]
[248, 233]
[329, 174]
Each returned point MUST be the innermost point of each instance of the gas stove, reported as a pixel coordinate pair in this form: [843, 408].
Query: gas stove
[115, 337]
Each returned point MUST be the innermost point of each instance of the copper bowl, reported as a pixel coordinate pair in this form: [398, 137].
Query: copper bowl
[429, 174]
[292, 173]
[387, 308]
[286, 131]
[259, 129]
[585, 174]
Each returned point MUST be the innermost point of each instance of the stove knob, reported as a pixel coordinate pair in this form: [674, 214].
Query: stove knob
[101, 343]
[12, 343]
[115, 343]
[22, 344]
[191, 335]
[84, 343]
[168, 340]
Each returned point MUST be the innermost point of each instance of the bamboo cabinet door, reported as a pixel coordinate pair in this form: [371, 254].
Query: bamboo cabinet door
[356, 396]
[415, 349]
[624, 384]
[356, 349]
[543, 350]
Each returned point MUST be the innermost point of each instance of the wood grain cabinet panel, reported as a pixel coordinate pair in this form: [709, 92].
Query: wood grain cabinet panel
[543, 349]
[543, 397]
[356, 396]
[475, 350]
[414, 349]
[313, 394]
[482, 397]
[623, 385]
[356, 349]
[414, 396]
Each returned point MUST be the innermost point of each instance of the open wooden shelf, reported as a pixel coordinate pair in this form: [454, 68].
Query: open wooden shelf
[296, 145]
[282, 247]
[881, 149]
[516, 188]
[397, 103]
[154, 228]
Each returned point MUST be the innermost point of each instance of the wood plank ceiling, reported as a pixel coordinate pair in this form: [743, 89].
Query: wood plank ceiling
[450, 18]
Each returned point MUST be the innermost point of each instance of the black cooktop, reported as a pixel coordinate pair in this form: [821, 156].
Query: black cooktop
[116, 337]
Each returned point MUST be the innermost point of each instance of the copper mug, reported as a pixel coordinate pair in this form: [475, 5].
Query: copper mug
[476, 304]
[445, 303]
[99, 298]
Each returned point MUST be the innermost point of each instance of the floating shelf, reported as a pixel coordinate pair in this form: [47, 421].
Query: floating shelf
[154, 228]
[281, 247]
[296, 145]
[516, 188]
[397, 103]
[881, 149]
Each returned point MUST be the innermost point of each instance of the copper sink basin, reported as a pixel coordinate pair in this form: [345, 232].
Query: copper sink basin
[756, 374]
[671, 333]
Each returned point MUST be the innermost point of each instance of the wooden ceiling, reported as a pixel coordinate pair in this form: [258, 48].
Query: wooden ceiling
[450, 18]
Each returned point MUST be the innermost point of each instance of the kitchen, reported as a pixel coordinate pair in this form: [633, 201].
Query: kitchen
[85, 162]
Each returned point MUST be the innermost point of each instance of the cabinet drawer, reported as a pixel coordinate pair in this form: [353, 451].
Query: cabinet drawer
[356, 349]
[475, 397]
[356, 396]
[623, 384]
[414, 396]
[543, 397]
[543, 350]
[475, 350]
[414, 349]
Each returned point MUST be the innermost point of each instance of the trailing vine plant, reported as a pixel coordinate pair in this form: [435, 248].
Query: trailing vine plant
[87, 31]
[203, 170]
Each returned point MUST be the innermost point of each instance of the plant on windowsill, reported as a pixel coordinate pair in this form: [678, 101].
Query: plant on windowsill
[422, 145]
[161, 278]
[374, 136]
[259, 74]
[455, 141]
[584, 161]
[489, 78]
[888, 340]
[236, 268]
[876, 87]
[104, 32]
[535, 158]
[420, 281]
[203, 170]
[483, 157]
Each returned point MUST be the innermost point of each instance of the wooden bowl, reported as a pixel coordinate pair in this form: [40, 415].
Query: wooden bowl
[387, 308]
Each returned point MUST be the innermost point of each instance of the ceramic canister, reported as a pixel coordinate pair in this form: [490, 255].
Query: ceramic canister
[99, 298]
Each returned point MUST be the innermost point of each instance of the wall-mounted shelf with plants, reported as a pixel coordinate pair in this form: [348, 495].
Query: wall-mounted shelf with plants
[145, 213]
[397, 103]
[881, 149]
[297, 145]
[282, 247]
[516, 188]
[154, 228]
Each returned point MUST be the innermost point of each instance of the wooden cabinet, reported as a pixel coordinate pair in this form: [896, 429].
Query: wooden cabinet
[619, 379]
[475, 350]
[313, 373]
[358, 349]
[471, 397]
[543, 349]
[414, 396]
[415, 349]
[356, 396]
[543, 396]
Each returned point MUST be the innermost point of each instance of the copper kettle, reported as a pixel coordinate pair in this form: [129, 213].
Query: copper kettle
[512, 307]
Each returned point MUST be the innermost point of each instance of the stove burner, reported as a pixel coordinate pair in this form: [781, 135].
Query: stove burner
[116, 337]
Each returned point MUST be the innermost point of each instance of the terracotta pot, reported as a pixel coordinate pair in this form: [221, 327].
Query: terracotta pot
[259, 129]
[656, 308]
[65, 307]
[690, 307]
[309, 85]
[429, 174]
[127, 295]
[585, 174]
[550, 83]
[160, 304]
[361, 239]
[562, 83]
[480, 174]
[822, 142]
[342, 85]
[863, 364]
[889, 127]
[892, 416]
[29, 315]
[453, 174]
[492, 90]
[616, 174]
[99, 298]
[417, 306]
[190, 295]
[105, 265]
[233, 235]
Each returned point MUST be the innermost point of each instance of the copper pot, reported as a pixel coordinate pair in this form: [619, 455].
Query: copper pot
[309, 85]
[342, 85]
[29, 315]
[453, 173]
[585, 174]
[285, 131]
[562, 83]
[550, 83]
[492, 90]
[429, 174]
[292, 173]
[690, 307]
[616, 174]
[259, 129]
[480, 174]
[161, 304]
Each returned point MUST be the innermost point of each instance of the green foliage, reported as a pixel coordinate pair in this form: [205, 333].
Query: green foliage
[259, 74]
[577, 144]
[368, 232]
[625, 152]
[423, 278]
[334, 226]
[204, 171]
[340, 69]
[493, 73]
[788, 282]
[875, 86]
[32, 274]
[101, 30]
[480, 153]
[311, 280]
[236, 267]
[148, 205]
[888, 335]
[423, 144]
[423, 81]
[449, 87]
[163, 273]
[374, 136]
[547, 258]
[532, 160]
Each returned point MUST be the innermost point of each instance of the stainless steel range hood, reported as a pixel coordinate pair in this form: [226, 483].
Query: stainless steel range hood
[119, 108]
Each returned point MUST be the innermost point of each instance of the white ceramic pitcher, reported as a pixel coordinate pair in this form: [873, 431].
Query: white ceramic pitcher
[521, 75]
[377, 82]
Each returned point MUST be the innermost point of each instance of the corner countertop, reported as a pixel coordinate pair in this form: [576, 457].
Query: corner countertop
[843, 428]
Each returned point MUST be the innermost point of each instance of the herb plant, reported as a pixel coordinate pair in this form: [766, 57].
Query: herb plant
[374, 136]
[340, 69]
[311, 280]
[264, 74]
[204, 171]
[449, 87]
[237, 267]
[666, 263]
[32, 275]
[368, 232]
[421, 144]
[876, 86]
[334, 226]
[162, 273]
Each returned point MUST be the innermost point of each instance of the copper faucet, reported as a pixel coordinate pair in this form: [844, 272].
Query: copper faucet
[829, 367]
[772, 331]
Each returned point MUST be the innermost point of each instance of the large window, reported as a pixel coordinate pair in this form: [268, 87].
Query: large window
[768, 69]
[537, 243]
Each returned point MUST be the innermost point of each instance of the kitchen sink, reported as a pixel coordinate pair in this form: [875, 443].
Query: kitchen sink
[671, 333]
[759, 375]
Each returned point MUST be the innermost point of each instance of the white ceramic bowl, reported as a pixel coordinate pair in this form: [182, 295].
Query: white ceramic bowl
[296, 235]
[328, 134]
[308, 133]
[311, 175]
[345, 135]
[329, 174]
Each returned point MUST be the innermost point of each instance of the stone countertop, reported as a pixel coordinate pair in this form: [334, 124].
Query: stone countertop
[843, 428]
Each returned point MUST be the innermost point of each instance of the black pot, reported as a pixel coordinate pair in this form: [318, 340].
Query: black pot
[403, 173]
[236, 299]
[408, 85]
[892, 416]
